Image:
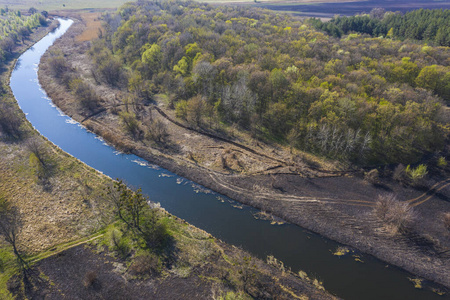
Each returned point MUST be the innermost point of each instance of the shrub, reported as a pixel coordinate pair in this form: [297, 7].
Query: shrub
[131, 123]
[416, 174]
[146, 263]
[85, 94]
[120, 244]
[181, 109]
[442, 162]
[157, 131]
[10, 121]
[90, 279]
[372, 176]
[58, 66]
[399, 173]
[395, 214]
[153, 230]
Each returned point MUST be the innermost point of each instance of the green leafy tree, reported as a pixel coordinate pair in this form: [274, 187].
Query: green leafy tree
[133, 208]
[151, 58]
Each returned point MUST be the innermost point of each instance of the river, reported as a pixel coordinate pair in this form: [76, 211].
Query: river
[298, 248]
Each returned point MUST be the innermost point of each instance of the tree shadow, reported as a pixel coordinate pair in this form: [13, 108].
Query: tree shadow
[382, 186]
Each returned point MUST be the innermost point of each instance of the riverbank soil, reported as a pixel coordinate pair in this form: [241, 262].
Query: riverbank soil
[314, 194]
[64, 210]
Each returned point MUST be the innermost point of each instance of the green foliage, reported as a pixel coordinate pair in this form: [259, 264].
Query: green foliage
[182, 67]
[417, 173]
[152, 57]
[181, 109]
[130, 123]
[234, 296]
[356, 98]
[120, 243]
[134, 210]
[422, 24]
[442, 162]
[14, 28]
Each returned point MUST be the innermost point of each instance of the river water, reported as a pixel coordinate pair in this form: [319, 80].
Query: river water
[299, 249]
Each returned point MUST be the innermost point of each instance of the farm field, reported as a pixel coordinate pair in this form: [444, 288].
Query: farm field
[328, 9]
[58, 4]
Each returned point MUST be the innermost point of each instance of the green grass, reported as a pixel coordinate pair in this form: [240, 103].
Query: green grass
[50, 5]
[8, 268]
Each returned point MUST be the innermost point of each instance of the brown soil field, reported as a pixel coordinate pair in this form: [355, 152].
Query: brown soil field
[320, 196]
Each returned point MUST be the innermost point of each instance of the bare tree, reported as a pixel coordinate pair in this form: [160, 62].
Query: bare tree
[34, 145]
[7, 45]
[157, 130]
[10, 121]
[58, 66]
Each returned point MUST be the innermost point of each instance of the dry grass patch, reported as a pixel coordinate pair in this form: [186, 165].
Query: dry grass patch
[68, 206]
[93, 27]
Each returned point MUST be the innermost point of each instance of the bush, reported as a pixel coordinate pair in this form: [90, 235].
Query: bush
[120, 244]
[399, 173]
[181, 109]
[416, 174]
[372, 176]
[131, 124]
[90, 279]
[146, 263]
[153, 231]
[157, 131]
[58, 66]
[395, 214]
[85, 94]
[442, 162]
[10, 121]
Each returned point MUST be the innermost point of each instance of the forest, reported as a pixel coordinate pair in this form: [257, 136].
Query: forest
[356, 98]
[15, 27]
[431, 26]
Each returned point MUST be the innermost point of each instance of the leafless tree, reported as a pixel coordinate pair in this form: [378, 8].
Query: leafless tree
[34, 145]
[9, 121]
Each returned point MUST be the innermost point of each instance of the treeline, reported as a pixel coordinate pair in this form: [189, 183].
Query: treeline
[362, 99]
[15, 27]
[431, 26]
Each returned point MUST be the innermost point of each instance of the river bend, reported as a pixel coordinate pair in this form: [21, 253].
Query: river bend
[224, 218]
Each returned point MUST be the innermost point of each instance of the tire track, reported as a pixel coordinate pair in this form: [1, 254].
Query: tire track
[302, 199]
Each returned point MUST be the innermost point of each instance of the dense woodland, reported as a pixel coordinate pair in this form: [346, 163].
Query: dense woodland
[356, 98]
[16, 27]
[431, 26]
